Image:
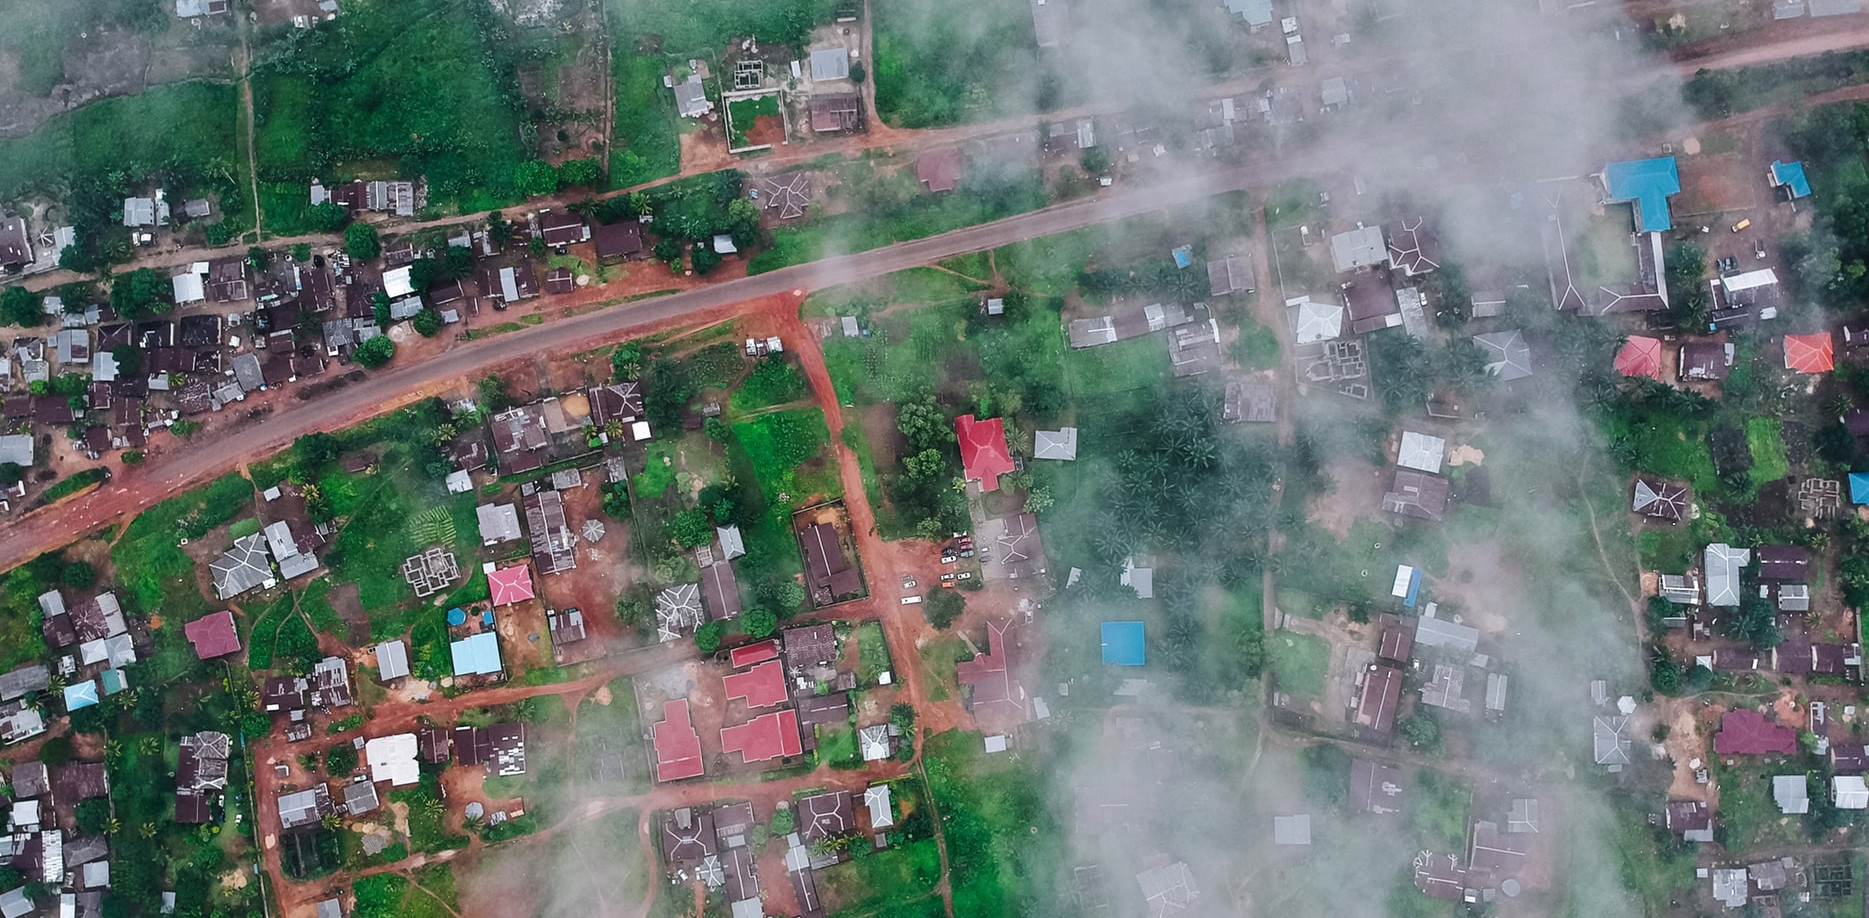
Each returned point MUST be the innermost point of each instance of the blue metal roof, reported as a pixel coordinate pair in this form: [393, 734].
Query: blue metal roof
[1791, 175]
[476, 656]
[1647, 183]
[80, 695]
[1124, 643]
[1859, 487]
[457, 616]
[1414, 589]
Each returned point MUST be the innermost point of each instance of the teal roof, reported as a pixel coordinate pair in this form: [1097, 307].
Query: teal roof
[1791, 175]
[476, 656]
[114, 681]
[1124, 644]
[1859, 487]
[1647, 183]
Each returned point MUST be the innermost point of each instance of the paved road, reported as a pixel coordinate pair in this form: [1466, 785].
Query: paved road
[172, 471]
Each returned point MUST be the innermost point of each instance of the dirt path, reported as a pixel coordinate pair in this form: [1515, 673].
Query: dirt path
[243, 59]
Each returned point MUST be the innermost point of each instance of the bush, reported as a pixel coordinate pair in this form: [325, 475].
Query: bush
[943, 607]
[426, 323]
[341, 760]
[361, 241]
[691, 528]
[535, 178]
[19, 306]
[707, 637]
[78, 575]
[580, 172]
[759, 623]
[374, 352]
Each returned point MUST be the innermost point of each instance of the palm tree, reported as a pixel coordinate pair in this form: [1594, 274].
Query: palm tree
[150, 746]
[113, 750]
[147, 830]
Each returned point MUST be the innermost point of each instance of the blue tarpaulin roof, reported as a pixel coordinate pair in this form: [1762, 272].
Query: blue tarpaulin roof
[1648, 183]
[1859, 487]
[476, 656]
[1791, 175]
[1124, 644]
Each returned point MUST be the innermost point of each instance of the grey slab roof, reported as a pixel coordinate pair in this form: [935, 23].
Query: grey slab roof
[1439, 632]
[14, 903]
[1835, 7]
[1660, 499]
[1291, 830]
[16, 448]
[830, 64]
[331, 908]
[247, 372]
[33, 677]
[392, 660]
[498, 522]
[305, 807]
[1168, 889]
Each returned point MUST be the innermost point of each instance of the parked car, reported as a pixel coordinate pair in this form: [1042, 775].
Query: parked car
[964, 575]
[948, 559]
[947, 576]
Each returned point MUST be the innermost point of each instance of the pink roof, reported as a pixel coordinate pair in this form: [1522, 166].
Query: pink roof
[213, 635]
[511, 584]
[753, 653]
[677, 746]
[1746, 732]
[983, 452]
[767, 736]
[1809, 353]
[1640, 357]
[762, 686]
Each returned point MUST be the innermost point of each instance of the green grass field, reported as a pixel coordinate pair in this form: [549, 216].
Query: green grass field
[424, 84]
[872, 653]
[646, 145]
[1301, 662]
[1003, 846]
[1133, 364]
[188, 131]
[742, 112]
[1765, 437]
[934, 69]
[884, 883]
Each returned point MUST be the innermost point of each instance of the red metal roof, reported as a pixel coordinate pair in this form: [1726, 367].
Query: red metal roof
[677, 746]
[213, 635]
[939, 169]
[1640, 357]
[1382, 692]
[753, 653]
[1809, 353]
[1748, 733]
[983, 451]
[762, 686]
[767, 736]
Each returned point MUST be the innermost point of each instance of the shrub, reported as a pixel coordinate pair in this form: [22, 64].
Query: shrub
[759, 623]
[535, 178]
[426, 323]
[943, 607]
[707, 637]
[374, 352]
[361, 241]
[19, 306]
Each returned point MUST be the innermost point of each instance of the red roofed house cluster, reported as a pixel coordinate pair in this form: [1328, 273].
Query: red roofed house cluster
[677, 746]
[1745, 732]
[997, 695]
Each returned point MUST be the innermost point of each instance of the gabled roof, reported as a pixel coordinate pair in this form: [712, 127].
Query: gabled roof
[677, 745]
[1790, 176]
[768, 736]
[983, 452]
[1358, 248]
[1747, 732]
[762, 686]
[993, 676]
[392, 660]
[1792, 794]
[477, 655]
[1609, 738]
[1417, 494]
[1722, 563]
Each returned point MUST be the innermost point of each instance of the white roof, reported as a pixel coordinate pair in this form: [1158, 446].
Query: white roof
[1421, 452]
[459, 482]
[1852, 793]
[1055, 444]
[996, 743]
[1792, 794]
[1313, 322]
[392, 759]
[1750, 280]
[188, 288]
[498, 522]
[1291, 830]
[1404, 577]
[16, 448]
[1359, 248]
[396, 283]
[392, 660]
